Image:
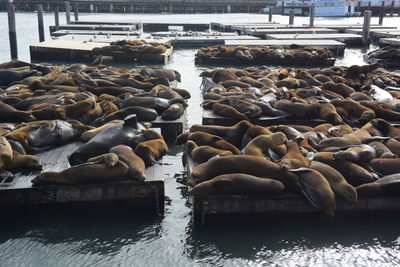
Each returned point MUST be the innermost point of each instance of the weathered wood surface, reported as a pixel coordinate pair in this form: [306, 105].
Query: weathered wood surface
[20, 192]
[336, 47]
[262, 32]
[199, 41]
[347, 38]
[97, 27]
[171, 129]
[344, 27]
[87, 22]
[120, 34]
[389, 42]
[156, 27]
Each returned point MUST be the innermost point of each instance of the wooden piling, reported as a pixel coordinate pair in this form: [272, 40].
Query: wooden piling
[291, 17]
[381, 13]
[57, 18]
[270, 14]
[12, 31]
[312, 15]
[366, 26]
[76, 12]
[68, 12]
[391, 9]
[40, 22]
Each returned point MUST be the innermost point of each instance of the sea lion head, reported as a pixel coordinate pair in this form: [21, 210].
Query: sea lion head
[381, 125]
[32, 162]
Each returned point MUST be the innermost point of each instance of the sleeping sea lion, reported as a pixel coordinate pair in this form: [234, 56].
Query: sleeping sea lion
[382, 151]
[387, 185]
[152, 150]
[6, 152]
[293, 159]
[228, 111]
[357, 153]
[200, 154]
[89, 134]
[134, 162]
[385, 166]
[263, 144]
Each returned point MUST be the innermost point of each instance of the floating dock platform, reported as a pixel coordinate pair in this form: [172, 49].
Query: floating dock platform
[20, 193]
[263, 32]
[93, 27]
[170, 129]
[190, 33]
[136, 24]
[343, 27]
[347, 38]
[227, 27]
[120, 34]
[69, 50]
[389, 42]
[336, 47]
[157, 27]
[201, 41]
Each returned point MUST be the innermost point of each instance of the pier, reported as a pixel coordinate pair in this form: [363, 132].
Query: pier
[347, 38]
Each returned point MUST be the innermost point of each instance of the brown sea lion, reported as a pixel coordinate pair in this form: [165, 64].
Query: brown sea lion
[298, 110]
[387, 185]
[228, 111]
[134, 162]
[354, 174]
[262, 144]
[173, 112]
[329, 114]
[109, 159]
[291, 83]
[238, 184]
[11, 114]
[206, 139]
[23, 161]
[293, 159]
[355, 138]
[385, 127]
[232, 134]
[393, 145]
[336, 180]
[152, 150]
[354, 109]
[241, 164]
[229, 83]
[159, 104]
[382, 151]
[6, 152]
[385, 166]
[357, 153]
[319, 192]
[338, 88]
[171, 75]
[253, 132]
[200, 154]
[84, 174]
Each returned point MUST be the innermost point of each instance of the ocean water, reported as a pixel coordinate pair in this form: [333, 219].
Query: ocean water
[127, 239]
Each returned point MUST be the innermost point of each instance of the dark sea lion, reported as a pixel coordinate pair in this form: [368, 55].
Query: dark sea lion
[244, 107]
[253, 132]
[354, 174]
[110, 90]
[206, 139]
[159, 104]
[355, 138]
[359, 96]
[304, 75]
[8, 76]
[382, 151]
[39, 85]
[322, 78]
[317, 190]
[11, 114]
[228, 111]
[152, 150]
[173, 112]
[338, 88]
[134, 162]
[354, 109]
[293, 159]
[221, 75]
[84, 174]
[41, 135]
[262, 144]
[387, 185]
[200, 154]
[6, 152]
[112, 136]
[89, 134]
[238, 184]
[171, 75]
[242, 164]
[385, 166]
[298, 110]
[230, 83]
[142, 114]
[232, 134]
[385, 127]
[393, 145]
[336, 180]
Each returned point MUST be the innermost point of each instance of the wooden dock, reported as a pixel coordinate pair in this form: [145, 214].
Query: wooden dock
[347, 38]
[20, 193]
[94, 32]
[336, 47]
[94, 27]
[190, 33]
[262, 32]
[157, 27]
[109, 39]
[389, 42]
[201, 41]
[210, 118]
[136, 24]
[68, 50]
[227, 27]
[343, 27]
[170, 129]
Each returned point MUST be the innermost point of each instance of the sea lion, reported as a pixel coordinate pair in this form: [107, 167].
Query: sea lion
[8, 76]
[263, 144]
[11, 114]
[84, 174]
[152, 150]
[393, 145]
[171, 75]
[173, 112]
[298, 110]
[238, 184]
[385, 166]
[159, 104]
[89, 134]
[293, 159]
[228, 111]
[305, 76]
[386, 128]
[336, 180]
[221, 75]
[24, 161]
[232, 134]
[354, 110]
[134, 162]
[317, 190]
[142, 114]
[357, 153]
[329, 114]
[6, 152]
[253, 132]
[206, 139]
[387, 185]
[338, 88]
[109, 159]
[200, 154]
[353, 173]
[382, 151]
[241, 164]
[40, 135]
[101, 143]
[355, 138]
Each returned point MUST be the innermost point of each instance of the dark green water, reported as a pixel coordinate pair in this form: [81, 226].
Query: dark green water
[65, 238]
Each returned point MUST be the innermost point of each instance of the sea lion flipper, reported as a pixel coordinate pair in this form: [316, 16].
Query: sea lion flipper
[184, 158]
[273, 156]
[311, 194]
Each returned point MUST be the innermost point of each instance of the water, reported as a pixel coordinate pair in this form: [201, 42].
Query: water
[127, 239]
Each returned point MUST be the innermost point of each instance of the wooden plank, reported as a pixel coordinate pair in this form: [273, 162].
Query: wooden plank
[20, 192]
[200, 41]
[94, 32]
[336, 47]
[346, 38]
[156, 27]
[171, 129]
[97, 27]
[262, 32]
